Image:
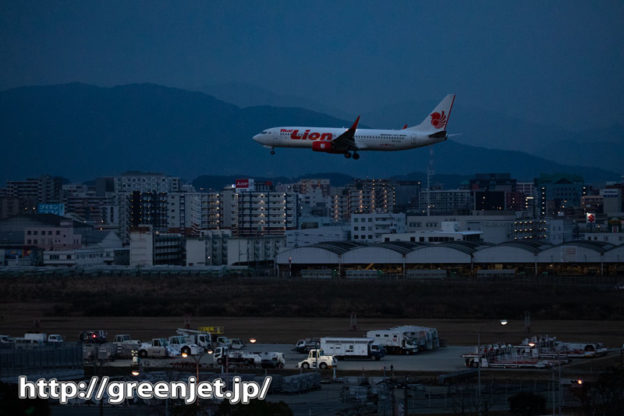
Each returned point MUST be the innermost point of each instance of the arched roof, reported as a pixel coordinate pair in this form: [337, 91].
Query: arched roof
[338, 247]
[308, 255]
[440, 253]
[508, 252]
[580, 251]
[614, 255]
[375, 253]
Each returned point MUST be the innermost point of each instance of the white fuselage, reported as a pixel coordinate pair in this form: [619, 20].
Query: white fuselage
[365, 139]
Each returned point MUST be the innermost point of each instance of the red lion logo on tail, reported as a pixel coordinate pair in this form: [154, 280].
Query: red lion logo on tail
[438, 120]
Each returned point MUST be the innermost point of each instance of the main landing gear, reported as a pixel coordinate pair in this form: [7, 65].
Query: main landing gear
[272, 151]
[355, 155]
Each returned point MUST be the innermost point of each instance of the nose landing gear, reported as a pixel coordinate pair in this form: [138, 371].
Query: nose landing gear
[272, 151]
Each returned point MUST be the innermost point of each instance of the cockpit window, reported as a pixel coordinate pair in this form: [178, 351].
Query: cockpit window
[265, 132]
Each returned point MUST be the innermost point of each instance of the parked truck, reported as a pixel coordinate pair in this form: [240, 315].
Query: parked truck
[158, 348]
[201, 338]
[394, 341]
[427, 339]
[317, 359]
[179, 344]
[305, 345]
[352, 348]
[226, 356]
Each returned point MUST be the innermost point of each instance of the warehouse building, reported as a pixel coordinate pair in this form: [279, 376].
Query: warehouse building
[412, 259]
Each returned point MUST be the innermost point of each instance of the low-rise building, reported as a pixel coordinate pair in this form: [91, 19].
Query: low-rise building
[371, 227]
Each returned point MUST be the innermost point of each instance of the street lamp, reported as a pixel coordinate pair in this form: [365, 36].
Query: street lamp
[197, 358]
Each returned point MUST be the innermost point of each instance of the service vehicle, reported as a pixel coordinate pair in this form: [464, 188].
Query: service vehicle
[6, 341]
[201, 338]
[427, 339]
[158, 348]
[305, 345]
[394, 341]
[125, 339]
[272, 360]
[93, 337]
[233, 343]
[55, 339]
[352, 348]
[180, 345]
[226, 356]
[317, 359]
[36, 336]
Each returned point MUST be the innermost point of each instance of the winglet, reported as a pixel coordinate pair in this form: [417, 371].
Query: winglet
[404, 127]
[354, 126]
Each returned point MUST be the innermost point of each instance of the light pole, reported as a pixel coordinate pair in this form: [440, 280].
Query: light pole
[197, 359]
[502, 322]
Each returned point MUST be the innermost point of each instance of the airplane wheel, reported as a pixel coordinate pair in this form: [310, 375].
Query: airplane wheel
[356, 156]
[272, 152]
[347, 155]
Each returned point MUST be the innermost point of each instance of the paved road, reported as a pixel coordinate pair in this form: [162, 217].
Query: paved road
[444, 360]
[447, 359]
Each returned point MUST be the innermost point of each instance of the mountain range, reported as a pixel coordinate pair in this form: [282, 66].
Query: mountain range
[82, 131]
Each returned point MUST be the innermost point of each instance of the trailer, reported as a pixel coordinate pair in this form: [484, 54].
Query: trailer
[394, 341]
[427, 339]
[352, 348]
[551, 347]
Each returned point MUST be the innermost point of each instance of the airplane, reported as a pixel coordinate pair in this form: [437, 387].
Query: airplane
[352, 140]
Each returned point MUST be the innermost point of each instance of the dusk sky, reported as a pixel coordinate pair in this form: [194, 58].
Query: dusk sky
[556, 62]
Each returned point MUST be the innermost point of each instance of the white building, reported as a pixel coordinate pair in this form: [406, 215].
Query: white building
[264, 213]
[209, 249]
[371, 227]
[494, 228]
[448, 232]
[142, 247]
[250, 250]
[146, 182]
[309, 236]
[183, 211]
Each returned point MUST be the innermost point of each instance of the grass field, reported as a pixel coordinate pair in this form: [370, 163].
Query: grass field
[282, 311]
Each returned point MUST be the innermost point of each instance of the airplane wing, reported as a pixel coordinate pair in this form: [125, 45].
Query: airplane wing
[346, 140]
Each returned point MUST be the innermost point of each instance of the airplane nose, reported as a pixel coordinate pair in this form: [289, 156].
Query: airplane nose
[257, 138]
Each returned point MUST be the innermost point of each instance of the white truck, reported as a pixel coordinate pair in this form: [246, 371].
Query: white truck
[233, 343]
[225, 356]
[201, 338]
[158, 348]
[317, 359]
[55, 339]
[427, 339]
[125, 339]
[41, 338]
[180, 345]
[6, 341]
[352, 348]
[394, 341]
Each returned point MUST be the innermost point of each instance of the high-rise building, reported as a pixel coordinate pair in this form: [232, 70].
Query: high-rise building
[264, 213]
[362, 196]
[145, 182]
[446, 201]
[555, 193]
